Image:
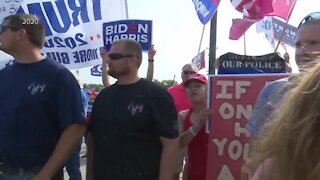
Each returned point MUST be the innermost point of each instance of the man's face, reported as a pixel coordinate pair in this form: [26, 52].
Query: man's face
[8, 37]
[118, 66]
[187, 71]
[307, 43]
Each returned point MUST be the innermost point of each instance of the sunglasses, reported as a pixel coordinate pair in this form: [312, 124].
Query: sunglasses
[309, 17]
[188, 72]
[4, 28]
[118, 56]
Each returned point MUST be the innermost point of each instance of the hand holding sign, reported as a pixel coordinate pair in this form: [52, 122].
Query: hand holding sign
[152, 51]
[201, 118]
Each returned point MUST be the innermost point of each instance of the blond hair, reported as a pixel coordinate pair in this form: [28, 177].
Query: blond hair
[292, 137]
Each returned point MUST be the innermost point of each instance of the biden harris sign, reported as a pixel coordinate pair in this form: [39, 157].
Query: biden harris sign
[138, 30]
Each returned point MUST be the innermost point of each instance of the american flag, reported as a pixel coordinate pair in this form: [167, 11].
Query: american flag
[254, 10]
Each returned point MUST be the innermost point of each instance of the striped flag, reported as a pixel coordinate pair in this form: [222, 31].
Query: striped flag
[254, 10]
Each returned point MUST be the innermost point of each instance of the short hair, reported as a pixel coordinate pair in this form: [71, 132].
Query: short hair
[311, 18]
[190, 65]
[131, 47]
[32, 24]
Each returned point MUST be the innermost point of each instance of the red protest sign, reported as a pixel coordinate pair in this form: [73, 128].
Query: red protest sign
[232, 100]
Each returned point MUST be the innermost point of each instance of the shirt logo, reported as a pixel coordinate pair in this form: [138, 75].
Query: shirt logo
[36, 88]
[135, 108]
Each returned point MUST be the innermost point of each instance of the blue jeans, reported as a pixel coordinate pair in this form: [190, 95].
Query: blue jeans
[27, 176]
[17, 177]
[73, 165]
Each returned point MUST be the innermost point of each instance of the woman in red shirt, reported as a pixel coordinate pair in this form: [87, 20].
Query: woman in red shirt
[191, 127]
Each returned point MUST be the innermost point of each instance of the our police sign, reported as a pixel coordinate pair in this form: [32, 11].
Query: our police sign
[138, 30]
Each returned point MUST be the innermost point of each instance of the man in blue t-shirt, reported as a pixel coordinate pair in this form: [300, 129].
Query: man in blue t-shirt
[41, 112]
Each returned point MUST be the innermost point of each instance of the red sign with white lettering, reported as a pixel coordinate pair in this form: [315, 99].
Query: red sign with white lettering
[232, 100]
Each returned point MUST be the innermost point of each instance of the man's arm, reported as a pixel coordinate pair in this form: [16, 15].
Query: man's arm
[68, 142]
[152, 51]
[169, 158]
[105, 75]
[90, 148]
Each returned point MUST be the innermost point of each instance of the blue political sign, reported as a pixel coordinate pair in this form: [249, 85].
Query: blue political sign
[206, 9]
[139, 30]
[96, 70]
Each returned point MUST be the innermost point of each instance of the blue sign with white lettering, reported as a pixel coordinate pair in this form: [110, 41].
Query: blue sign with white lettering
[138, 30]
[206, 9]
[96, 70]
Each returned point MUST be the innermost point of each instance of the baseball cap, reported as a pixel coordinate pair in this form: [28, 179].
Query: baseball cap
[195, 77]
[94, 93]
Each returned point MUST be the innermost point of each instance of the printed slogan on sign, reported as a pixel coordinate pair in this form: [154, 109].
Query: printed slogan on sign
[232, 100]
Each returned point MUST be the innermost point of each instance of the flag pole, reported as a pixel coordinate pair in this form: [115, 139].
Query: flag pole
[201, 38]
[244, 44]
[213, 43]
[126, 9]
[285, 27]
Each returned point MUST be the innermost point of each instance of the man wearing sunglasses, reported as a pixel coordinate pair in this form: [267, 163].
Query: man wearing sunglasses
[182, 102]
[41, 113]
[133, 133]
[307, 48]
[105, 76]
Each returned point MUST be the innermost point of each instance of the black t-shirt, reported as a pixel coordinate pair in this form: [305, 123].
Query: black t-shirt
[127, 122]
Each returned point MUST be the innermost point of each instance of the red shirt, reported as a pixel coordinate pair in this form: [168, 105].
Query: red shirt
[180, 97]
[197, 152]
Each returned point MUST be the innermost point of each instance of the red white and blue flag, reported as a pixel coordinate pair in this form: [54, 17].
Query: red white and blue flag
[254, 10]
[206, 9]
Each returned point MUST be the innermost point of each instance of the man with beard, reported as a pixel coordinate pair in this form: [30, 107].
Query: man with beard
[133, 133]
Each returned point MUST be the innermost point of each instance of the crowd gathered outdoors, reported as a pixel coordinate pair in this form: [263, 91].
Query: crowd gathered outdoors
[137, 130]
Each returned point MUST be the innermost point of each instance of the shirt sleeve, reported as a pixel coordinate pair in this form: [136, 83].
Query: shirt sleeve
[69, 100]
[165, 115]
[261, 110]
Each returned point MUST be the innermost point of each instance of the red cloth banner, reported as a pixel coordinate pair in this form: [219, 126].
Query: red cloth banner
[254, 10]
[282, 8]
[232, 100]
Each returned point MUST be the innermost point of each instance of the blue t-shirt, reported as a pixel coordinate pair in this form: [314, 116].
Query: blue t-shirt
[37, 101]
[269, 99]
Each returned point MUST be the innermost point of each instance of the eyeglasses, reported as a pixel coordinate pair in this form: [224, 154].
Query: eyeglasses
[4, 28]
[118, 56]
[309, 17]
[188, 72]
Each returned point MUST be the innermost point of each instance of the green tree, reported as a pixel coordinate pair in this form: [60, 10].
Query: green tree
[93, 87]
[165, 83]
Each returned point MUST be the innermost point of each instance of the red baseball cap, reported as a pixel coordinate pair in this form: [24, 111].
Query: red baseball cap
[195, 77]
[94, 93]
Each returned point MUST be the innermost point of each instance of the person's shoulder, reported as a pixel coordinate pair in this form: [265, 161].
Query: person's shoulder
[150, 84]
[276, 84]
[6, 69]
[54, 64]
[175, 88]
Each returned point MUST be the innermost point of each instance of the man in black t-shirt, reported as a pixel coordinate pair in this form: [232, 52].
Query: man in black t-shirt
[133, 133]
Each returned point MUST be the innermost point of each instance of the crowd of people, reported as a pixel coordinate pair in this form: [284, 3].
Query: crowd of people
[137, 130]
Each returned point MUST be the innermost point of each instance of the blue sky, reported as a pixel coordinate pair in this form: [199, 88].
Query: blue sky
[177, 31]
